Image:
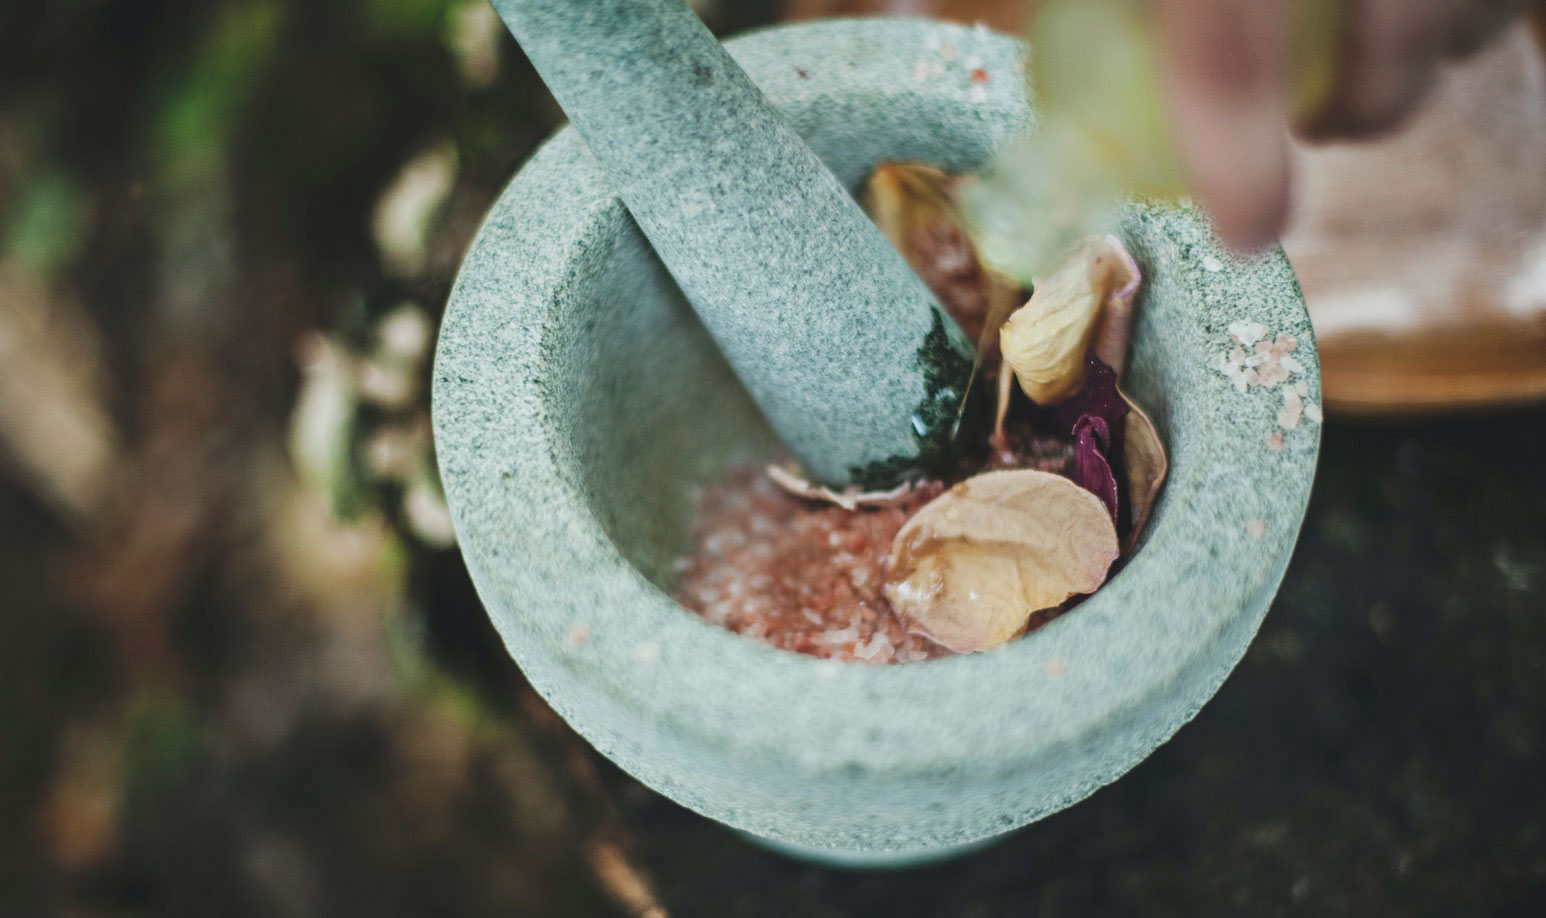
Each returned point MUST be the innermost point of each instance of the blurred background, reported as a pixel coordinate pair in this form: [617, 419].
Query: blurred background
[243, 672]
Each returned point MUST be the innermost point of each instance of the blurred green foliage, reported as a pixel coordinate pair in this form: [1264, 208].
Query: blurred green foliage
[199, 113]
[46, 226]
[404, 18]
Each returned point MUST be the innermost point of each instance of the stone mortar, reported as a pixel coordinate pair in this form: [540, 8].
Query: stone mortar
[578, 405]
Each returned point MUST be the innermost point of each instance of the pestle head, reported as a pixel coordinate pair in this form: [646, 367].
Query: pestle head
[843, 348]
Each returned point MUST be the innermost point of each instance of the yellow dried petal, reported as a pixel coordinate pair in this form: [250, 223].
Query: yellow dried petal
[1147, 465]
[972, 566]
[1044, 341]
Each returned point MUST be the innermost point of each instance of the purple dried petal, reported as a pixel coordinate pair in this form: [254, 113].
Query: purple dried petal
[1098, 397]
[1092, 471]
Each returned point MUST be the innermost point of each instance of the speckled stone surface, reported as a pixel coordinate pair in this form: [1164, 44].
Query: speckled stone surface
[847, 353]
[577, 402]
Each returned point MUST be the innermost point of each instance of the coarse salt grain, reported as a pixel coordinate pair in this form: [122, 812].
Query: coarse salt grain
[1256, 527]
[1312, 413]
[1271, 373]
[1275, 442]
[1248, 332]
[1293, 407]
[799, 593]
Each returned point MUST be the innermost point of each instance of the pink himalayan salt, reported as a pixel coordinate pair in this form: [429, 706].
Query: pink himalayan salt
[808, 576]
[798, 574]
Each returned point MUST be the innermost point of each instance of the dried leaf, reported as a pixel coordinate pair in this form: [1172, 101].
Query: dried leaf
[916, 207]
[1092, 470]
[850, 498]
[1143, 454]
[1045, 341]
[973, 565]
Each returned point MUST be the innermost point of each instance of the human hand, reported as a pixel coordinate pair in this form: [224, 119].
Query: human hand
[1229, 67]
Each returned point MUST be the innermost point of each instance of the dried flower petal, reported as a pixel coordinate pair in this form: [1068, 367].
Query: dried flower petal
[1113, 328]
[1146, 464]
[973, 565]
[916, 207]
[1098, 396]
[850, 498]
[1092, 471]
[1044, 341]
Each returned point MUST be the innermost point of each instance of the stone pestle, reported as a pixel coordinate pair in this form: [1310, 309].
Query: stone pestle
[844, 349]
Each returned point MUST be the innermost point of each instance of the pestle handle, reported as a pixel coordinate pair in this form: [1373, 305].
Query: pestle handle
[845, 350]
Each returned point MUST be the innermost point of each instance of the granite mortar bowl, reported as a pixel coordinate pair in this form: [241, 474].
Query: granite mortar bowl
[579, 405]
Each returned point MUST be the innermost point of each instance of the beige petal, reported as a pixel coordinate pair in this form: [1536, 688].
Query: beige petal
[1144, 455]
[850, 498]
[917, 208]
[1044, 341]
[1113, 328]
[973, 565]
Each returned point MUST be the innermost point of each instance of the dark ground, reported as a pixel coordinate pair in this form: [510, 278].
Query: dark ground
[216, 698]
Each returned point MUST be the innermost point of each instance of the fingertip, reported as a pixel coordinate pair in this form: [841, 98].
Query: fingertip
[1225, 69]
[1248, 200]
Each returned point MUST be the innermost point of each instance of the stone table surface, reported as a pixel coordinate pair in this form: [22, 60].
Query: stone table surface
[1378, 751]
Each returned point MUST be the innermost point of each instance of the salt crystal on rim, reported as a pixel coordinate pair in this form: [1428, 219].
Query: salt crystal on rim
[1312, 413]
[1231, 370]
[1271, 373]
[1248, 332]
[1293, 407]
